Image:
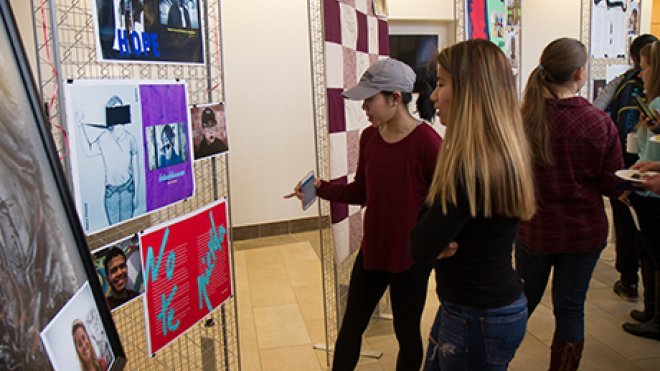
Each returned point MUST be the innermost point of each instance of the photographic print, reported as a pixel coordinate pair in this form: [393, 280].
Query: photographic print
[119, 271]
[209, 130]
[44, 258]
[148, 31]
[75, 338]
[130, 152]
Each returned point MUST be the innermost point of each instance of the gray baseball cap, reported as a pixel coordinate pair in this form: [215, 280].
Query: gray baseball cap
[385, 75]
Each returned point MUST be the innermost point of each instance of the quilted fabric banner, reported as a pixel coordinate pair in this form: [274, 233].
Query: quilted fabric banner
[355, 38]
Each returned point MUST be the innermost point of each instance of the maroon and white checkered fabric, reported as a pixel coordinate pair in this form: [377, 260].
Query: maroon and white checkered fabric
[354, 39]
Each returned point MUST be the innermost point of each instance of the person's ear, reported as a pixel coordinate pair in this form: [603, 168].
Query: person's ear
[580, 74]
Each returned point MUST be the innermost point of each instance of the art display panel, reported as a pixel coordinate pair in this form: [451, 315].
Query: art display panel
[45, 266]
[187, 271]
[497, 21]
[209, 127]
[148, 31]
[614, 24]
[130, 148]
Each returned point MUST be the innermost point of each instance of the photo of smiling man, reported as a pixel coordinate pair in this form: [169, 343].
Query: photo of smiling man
[119, 271]
[117, 277]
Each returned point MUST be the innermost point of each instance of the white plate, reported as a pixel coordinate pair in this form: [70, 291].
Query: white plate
[630, 175]
[655, 139]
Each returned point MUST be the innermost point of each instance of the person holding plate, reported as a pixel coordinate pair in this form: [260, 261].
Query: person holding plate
[647, 203]
[576, 150]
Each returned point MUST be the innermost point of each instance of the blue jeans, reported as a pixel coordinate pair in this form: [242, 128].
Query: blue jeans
[570, 281]
[476, 339]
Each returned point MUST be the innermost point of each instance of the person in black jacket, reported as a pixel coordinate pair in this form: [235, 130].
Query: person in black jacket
[482, 187]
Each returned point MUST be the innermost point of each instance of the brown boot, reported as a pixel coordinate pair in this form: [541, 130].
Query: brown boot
[565, 355]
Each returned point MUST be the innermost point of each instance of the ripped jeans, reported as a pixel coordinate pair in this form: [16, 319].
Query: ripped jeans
[476, 339]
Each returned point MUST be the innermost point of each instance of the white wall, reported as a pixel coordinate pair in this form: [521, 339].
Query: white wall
[23, 15]
[269, 106]
[421, 9]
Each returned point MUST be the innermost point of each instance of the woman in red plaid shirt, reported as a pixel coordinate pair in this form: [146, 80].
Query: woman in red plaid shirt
[575, 152]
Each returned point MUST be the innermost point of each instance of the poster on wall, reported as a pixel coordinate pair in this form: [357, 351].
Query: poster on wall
[497, 21]
[119, 271]
[130, 148]
[148, 31]
[187, 270]
[614, 24]
[209, 128]
[75, 338]
[44, 259]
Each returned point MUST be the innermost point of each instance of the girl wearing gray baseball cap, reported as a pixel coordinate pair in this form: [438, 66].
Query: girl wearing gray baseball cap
[395, 166]
[482, 187]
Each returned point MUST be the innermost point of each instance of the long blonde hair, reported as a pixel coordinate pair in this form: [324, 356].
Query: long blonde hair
[652, 54]
[485, 149]
[559, 61]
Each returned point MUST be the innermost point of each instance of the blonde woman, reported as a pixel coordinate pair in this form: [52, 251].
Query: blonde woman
[482, 187]
[647, 203]
[84, 348]
[576, 150]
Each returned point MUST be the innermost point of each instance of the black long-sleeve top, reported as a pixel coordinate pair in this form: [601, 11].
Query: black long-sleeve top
[480, 274]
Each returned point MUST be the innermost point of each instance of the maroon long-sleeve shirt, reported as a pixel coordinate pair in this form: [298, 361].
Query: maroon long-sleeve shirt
[392, 181]
[586, 152]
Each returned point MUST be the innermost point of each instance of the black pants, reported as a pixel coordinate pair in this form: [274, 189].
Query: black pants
[627, 243]
[648, 213]
[408, 295]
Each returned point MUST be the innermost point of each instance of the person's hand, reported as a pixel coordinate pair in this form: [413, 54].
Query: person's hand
[624, 197]
[652, 183]
[297, 192]
[644, 166]
[448, 252]
[644, 120]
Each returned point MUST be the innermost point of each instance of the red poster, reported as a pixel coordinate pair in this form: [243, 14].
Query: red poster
[187, 272]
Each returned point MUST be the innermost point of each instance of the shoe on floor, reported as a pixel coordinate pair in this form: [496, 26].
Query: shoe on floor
[641, 315]
[626, 292]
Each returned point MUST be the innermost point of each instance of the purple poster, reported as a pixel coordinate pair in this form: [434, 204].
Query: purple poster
[169, 172]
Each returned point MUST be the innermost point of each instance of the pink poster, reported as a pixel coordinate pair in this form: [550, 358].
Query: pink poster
[187, 271]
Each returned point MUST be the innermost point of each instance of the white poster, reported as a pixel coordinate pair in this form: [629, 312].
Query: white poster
[613, 25]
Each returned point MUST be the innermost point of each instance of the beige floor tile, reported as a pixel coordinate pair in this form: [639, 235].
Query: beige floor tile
[607, 328]
[532, 354]
[322, 357]
[652, 364]
[310, 301]
[542, 324]
[599, 357]
[258, 243]
[316, 330]
[610, 302]
[272, 294]
[289, 359]
[280, 326]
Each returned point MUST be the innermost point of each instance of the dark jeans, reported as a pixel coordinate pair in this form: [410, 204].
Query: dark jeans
[570, 281]
[648, 214]
[407, 294]
[627, 258]
[476, 339]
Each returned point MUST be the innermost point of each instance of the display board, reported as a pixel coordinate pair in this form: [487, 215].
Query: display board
[66, 46]
[608, 28]
[53, 313]
[496, 20]
[130, 148]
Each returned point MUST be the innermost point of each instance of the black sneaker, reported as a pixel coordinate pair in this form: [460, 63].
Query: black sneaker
[628, 293]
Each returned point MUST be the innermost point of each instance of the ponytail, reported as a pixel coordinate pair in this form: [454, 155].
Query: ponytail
[534, 116]
[425, 107]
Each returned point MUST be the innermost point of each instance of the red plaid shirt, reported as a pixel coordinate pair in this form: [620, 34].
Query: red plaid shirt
[586, 152]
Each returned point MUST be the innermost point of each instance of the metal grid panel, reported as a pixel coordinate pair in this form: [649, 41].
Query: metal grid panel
[212, 344]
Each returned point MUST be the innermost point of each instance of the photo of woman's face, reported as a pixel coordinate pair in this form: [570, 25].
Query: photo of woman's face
[83, 344]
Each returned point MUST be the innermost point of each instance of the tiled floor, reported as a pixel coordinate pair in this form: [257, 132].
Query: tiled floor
[279, 293]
